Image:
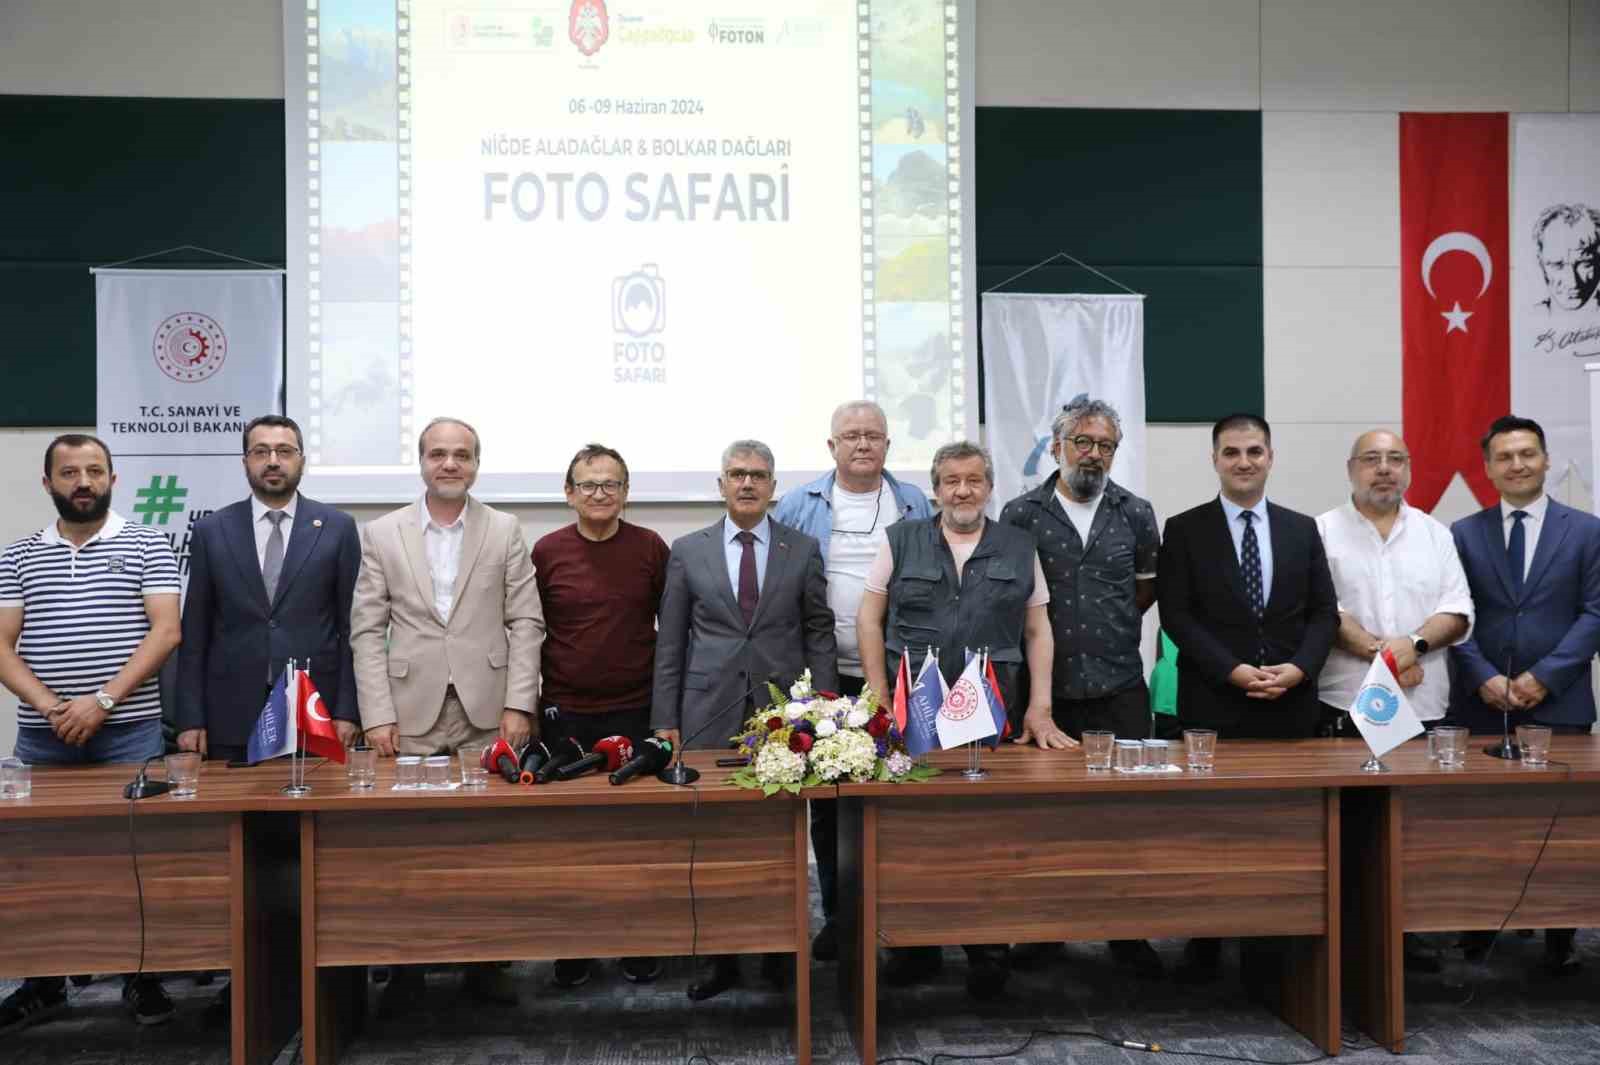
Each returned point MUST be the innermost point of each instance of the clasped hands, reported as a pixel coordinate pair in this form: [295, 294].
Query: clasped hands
[1266, 682]
[1512, 695]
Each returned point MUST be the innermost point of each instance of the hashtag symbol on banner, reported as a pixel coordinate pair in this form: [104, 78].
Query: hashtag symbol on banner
[159, 501]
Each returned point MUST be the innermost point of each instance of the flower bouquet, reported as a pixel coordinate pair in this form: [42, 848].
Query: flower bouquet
[807, 738]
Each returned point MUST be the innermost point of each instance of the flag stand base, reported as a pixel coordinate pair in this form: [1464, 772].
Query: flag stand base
[1374, 765]
[974, 771]
[296, 790]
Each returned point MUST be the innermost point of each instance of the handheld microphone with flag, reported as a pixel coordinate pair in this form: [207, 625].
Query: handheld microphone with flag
[500, 758]
[652, 756]
[607, 754]
[681, 775]
[534, 756]
[565, 751]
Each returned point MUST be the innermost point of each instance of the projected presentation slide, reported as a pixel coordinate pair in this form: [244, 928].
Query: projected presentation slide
[659, 227]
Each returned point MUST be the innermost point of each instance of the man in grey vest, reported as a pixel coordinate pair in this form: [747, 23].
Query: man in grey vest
[950, 582]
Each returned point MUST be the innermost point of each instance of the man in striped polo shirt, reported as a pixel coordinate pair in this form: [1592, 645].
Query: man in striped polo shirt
[88, 613]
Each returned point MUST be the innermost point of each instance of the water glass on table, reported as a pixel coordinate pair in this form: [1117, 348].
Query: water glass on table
[1157, 756]
[473, 775]
[1200, 748]
[408, 772]
[1130, 756]
[1450, 746]
[361, 767]
[16, 779]
[436, 771]
[1097, 744]
[183, 773]
[1535, 743]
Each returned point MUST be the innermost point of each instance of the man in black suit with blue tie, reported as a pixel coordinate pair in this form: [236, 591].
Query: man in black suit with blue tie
[270, 578]
[1247, 596]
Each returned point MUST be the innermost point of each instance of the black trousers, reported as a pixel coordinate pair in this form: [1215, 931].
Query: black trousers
[1125, 712]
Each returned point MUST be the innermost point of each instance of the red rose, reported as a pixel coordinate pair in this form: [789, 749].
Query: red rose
[774, 723]
[799, 742]
[878, 725]
[827, 695]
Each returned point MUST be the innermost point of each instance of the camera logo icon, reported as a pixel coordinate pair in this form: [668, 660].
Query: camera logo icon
[639, 302]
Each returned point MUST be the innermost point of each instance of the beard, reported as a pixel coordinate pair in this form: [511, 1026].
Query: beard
[291, 484]
[72, 513]
[1085, 482]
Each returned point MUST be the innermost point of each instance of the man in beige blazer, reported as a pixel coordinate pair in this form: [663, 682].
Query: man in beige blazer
[446, 624]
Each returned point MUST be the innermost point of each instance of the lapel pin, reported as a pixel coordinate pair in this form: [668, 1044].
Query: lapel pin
[316, 523]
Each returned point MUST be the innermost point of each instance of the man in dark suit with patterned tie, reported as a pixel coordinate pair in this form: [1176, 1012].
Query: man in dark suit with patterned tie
[744, 598]
[1246, 594]
[270, 578]
[1534, 569]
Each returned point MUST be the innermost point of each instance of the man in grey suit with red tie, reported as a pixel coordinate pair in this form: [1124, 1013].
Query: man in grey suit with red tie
[1534, 569]
[745, 598]
[270, 578]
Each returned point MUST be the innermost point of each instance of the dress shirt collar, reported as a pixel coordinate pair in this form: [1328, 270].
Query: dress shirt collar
[1233, 510]
[1364, 522]
[425, 519]
[762, 530]
[259, 509]
[113, 525]
[1535, 510]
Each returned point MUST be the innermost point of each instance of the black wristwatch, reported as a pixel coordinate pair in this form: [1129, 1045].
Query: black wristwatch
[1419, 644]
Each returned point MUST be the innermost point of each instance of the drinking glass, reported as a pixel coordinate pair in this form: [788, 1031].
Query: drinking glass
[1130, 756]
[408, 772]
[473, 775]
[436, 771]
[1200, 746]
[1535, 743]
[361, 767]
[183, 773]
[1097, 748]
[1157, 756]
[16, 779]
[1450, 746]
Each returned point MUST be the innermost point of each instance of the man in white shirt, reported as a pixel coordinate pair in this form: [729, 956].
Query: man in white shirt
[848, 513]
[1400, 586]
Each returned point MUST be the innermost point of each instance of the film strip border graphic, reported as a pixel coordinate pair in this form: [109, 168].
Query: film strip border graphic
[313, 194]
[402, 44]
[952, 153]
[869, 324]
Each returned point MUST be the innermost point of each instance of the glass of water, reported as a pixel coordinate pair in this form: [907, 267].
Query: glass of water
[1200, 747]
[473, 775]
[1097, 748]
[1130, 756]
[1535, 743]
[361, 767]
[436, 771]
[16, 779]
[1450, 746]
[408, 772]
[183, 773]
[1157, 756]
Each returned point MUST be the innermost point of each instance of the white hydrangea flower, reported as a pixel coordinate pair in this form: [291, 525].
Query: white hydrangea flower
[857, 718]
[852, 754]
[777, 764]
[826, 727]
[795, 711]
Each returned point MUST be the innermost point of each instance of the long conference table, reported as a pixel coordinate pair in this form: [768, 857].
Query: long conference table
[1284, 839]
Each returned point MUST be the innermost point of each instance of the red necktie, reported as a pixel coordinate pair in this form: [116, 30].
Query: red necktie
[749, 594]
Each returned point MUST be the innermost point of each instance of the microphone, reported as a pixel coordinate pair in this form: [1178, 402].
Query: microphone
[610, 753]
[1505, 748]
[565, 750]
[681, 775]
[652, 757]
[142, 787]
[500, 758]
[534, 755]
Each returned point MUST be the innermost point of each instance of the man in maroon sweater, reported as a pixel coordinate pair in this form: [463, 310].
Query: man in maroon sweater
[600, 580]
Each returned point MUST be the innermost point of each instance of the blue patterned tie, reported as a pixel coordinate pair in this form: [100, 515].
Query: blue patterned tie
[1250, 563]
[1517, 551]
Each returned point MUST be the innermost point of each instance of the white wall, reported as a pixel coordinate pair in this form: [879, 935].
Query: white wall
[1330, 79]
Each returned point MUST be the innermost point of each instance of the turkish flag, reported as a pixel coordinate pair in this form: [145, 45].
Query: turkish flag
[1455, 283]
[317, 734]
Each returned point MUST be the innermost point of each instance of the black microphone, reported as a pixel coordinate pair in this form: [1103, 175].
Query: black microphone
[534, 756]
[142, 787]
[565, 750]
[652, 757]
[608, 754]
[1505, 748]
[680, 774]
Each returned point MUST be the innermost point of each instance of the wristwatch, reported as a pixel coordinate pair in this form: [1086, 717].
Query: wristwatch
[1419, 643]
[103, 697]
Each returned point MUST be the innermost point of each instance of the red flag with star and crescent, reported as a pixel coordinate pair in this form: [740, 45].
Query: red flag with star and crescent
[1455, 308]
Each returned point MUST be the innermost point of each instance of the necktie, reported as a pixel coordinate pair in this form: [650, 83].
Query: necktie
[749, 594]
[272, 565]
[1250, 563]
[1517, 551]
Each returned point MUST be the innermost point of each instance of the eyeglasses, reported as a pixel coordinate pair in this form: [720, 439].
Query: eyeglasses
[853, 438]
[753, 476]
[283, 452]
[1373, 459]
[1086, 444]
[589, 488]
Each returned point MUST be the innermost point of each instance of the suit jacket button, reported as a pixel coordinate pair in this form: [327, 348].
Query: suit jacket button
[272, 624]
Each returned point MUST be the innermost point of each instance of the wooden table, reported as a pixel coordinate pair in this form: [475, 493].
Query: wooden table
[571, 870]
[1436, 850]
[220, 876]
[1045, 850]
